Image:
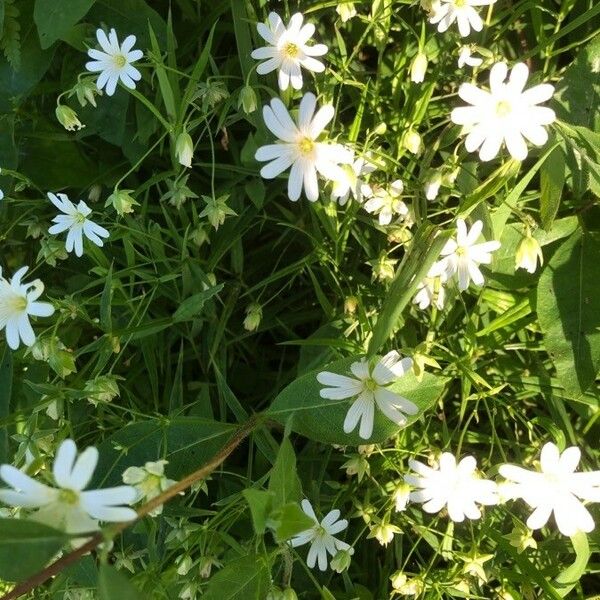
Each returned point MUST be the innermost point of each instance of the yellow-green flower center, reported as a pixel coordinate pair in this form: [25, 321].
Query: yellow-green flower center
[306, 145]
[503, 108]
[120, 60]
[79, 218]
[68, 496]
[18, 303]
[460, 3]
[370, 384]
[291, 50]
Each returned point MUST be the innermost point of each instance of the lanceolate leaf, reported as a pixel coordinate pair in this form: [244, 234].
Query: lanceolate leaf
[25, 547]
[321, 419]
[568, 307]
[186, 442]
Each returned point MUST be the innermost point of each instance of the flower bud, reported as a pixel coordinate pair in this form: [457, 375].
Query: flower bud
[401, 496]
[86, 91]
[94, 193]
[418, 68]
[289, 594]
[432, 187]
[350, 305]
[122, 201]
[384, 532]
[67, 117]
[412, 141]
[346, 10]
[528, 252]
[253, 317]
[184, 149]
[341, 561]
[380, 129]
[247, 101]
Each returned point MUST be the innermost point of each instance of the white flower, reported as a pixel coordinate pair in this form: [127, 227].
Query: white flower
[504, 114]
[463, 255]
[528, 254]
[431, 290]
[352, 182]
[556, 489]
[67, 506]
[18, 301]
[465, 58]
[75, 220]
[371, 386]
[149, 481]
[455, 486]
[321, 537]
[287, 50]
[418, 67]
[386, 202]
[115, 62]
[432, 186]
[297, 147]
[461, 11]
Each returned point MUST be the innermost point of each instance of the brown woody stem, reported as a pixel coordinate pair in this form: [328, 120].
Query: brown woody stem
[204, 471]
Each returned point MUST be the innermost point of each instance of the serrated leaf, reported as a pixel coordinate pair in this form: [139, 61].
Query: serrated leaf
[568, 308]
[26, 547]
[321, 419]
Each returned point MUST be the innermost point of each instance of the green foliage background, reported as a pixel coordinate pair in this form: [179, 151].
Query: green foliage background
[161, 308]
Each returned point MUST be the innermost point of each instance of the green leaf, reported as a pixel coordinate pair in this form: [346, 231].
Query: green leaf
[246, 578]
[6, 379]
[424, 250]
[186, 442]
[577, 93]
[260, 503]
[320, 419]
[114, 584]
[191, 307]
[54, 18]
[289, 520]
[283, 481]
[26, 547]
[568, 307]
[552, 179]
[569, 578]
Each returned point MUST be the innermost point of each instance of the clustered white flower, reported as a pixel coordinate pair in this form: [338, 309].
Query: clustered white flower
[298, 148]
[446, 12]
[114, 62]
[288, 50]
[321, 537]
[19, 301]
[507, 114]
[66, 505]
[371, 387]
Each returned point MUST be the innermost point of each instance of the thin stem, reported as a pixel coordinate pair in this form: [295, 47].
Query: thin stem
[56, 567]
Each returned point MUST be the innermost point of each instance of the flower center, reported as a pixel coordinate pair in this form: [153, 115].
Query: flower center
[306, 145]
[460, 3]
[370, 384]
[79, 218]
[461, 251]
[503, 108]
[18, 303]
[291, 50]
[68, 496]
[120, 60]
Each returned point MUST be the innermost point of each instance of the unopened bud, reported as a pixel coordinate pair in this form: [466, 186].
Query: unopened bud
[122, 201]
[528, 253]
[412, 141]
[247, 100]
[67, 117]
[184, 149]
[418, 68]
